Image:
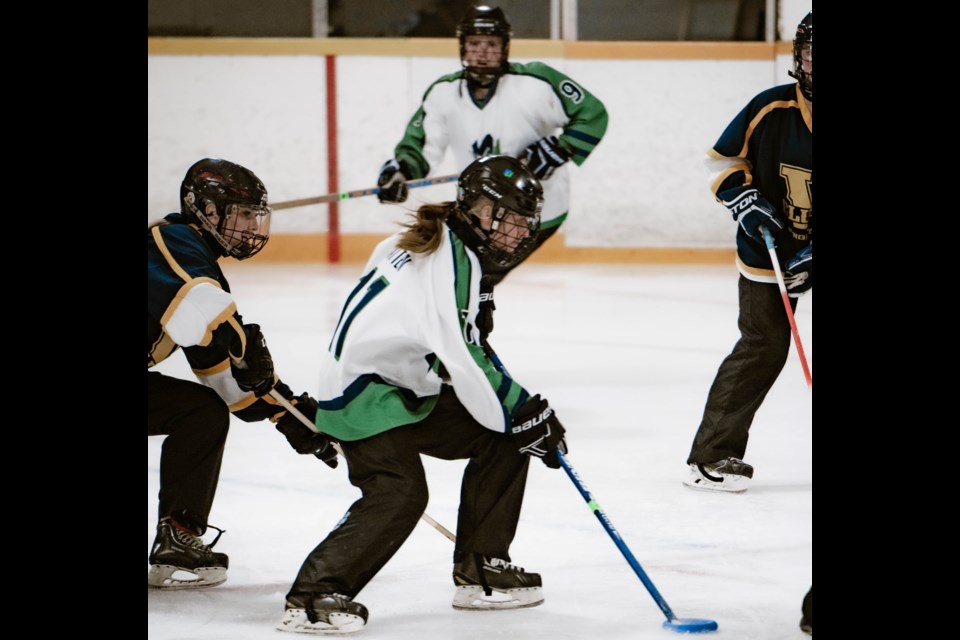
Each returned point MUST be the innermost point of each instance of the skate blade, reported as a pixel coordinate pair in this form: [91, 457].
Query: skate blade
[165, 576]
[730, 484]
[296, 620]
[474, 599]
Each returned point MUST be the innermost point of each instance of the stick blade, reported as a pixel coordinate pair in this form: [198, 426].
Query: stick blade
[691, 625]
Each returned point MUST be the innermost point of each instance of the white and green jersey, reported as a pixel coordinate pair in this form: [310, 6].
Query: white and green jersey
[528, 102]
[408, 314]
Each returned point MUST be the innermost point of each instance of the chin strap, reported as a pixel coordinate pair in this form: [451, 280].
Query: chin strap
[469, 234]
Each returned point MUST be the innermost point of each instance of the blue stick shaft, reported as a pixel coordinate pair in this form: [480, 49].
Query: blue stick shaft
[604, 520]
[615, 536]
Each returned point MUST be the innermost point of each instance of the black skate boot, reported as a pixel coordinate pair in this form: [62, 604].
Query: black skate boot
[322, 613]
[491, 583]
[806, 621]
[179, 559]
[730, 474]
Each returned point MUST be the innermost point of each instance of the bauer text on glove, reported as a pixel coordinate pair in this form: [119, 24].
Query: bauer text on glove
[538, 433]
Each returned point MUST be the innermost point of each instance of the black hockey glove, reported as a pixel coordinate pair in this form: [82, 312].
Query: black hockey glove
[544, 156]
[798, 274]
[538, 432]
[393, 173]
[300, 436]
[254, 372]
[751, 210]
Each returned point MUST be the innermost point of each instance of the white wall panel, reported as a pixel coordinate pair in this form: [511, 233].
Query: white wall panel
[644, 186]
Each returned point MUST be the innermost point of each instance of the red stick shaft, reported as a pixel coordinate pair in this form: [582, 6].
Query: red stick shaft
[771, 248]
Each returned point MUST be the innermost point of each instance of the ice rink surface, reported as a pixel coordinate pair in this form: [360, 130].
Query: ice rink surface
[625, 354]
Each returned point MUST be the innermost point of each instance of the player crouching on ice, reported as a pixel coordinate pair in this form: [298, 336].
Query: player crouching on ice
[406, 374]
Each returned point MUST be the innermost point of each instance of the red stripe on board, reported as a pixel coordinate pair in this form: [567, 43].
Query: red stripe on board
[333, 213]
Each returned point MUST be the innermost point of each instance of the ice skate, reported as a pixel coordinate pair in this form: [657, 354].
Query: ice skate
[806, 621]
[500, 586]
[326, 613]
[730, 474]
[179, 559]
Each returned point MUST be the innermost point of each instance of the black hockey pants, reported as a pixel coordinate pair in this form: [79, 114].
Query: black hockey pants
[195, 421]
[746, 375]
[389, 472]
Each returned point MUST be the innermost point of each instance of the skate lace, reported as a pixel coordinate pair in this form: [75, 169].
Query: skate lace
[503, 564]
[190, 540]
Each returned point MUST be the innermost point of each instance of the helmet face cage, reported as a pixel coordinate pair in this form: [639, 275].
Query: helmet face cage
[803, 56]
[484, 21]
[241, 224]
[516, 198]
[512, 236]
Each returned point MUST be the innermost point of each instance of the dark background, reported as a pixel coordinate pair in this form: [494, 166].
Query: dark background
[659, 20]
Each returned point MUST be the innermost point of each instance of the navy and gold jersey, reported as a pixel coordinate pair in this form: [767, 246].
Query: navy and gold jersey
[189, 306]
[184, 284]
[769, 145]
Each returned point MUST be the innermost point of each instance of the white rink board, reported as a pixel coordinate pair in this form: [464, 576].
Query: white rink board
[644, 186]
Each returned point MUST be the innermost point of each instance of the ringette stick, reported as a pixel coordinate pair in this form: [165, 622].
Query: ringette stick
[302, 418]
[681, 625]
[359, 193]
[771, 248]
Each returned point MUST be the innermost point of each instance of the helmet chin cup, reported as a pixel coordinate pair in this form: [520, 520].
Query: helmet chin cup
[482, 77]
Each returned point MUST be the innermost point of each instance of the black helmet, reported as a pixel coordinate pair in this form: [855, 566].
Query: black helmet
[242, 223]
[803, 51]
[484, 21]
[515, 197]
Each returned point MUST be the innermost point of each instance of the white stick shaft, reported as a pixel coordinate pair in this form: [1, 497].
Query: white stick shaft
[289, 406]
[439, 527]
